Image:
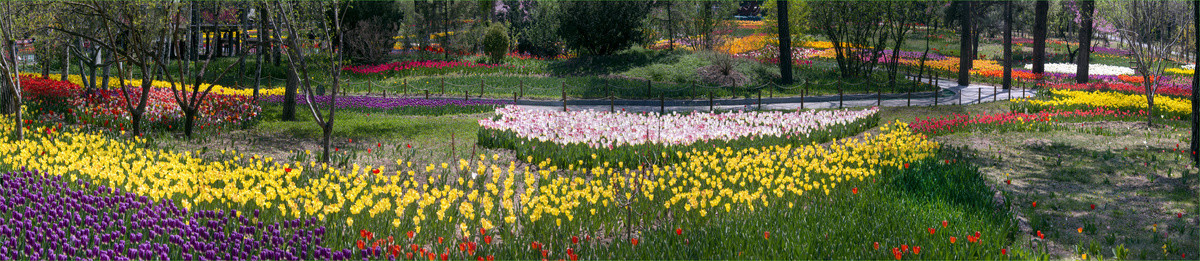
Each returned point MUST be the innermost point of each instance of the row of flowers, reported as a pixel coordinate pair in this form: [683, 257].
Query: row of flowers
[58, 219]
[1009, 121]
[474, 200]
[1167, 106]
[415, 65]
[67, 101]
[588, 138]
[398, 105]
[602, 129]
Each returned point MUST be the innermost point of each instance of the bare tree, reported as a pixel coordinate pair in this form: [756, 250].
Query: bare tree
[1150, 29]
[1195, 85]
[330, 32]
[10, 30]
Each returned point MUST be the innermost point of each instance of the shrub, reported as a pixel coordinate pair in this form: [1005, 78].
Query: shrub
[602, 28]
[495, 42]
[722, 71]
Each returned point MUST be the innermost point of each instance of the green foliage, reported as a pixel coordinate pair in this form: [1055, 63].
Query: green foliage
[495, 42]
[539, 36]
[602, 28]
[798, 19]
[581, 155]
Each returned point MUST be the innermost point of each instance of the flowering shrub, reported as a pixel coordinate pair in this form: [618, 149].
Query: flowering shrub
[1008, 121]
[441, 67]
[1093, 69]
[583, 138]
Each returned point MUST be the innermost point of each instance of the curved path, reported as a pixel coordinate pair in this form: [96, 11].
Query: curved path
[951, 93]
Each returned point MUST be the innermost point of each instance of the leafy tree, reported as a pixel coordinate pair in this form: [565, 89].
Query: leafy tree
[539, 34]
[602, 27]
[495, 42]
[370, 27]
[856, 31]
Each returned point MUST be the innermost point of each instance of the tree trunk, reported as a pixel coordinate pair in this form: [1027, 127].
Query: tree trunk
[1039, 36]
[785, 43]
[66, 65]
[964, 47]
[189, 122]
[135, 123]
[1086, 8]
[326, 141]
[258, 67]
[1008, 30]
[289, 97]
[104, 78]
[1195, 86]
[1149, 103]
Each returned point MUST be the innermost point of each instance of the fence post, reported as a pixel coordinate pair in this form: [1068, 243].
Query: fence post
[466, 95]
[426, 94]
[564, 95]
[514, 98]
[760, 99]
[648, 88]
[612, 103]
[521, 85]
[879, 96]
[662, 103]
[385, 93]
[803, 91]
[937, 93]
[995, 93]
[841, 96]
[369, 86]
[979, 97]
[771, 93]
[710, 100]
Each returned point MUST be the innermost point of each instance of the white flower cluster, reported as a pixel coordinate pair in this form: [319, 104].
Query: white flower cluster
[1093, 69]
[602, 129]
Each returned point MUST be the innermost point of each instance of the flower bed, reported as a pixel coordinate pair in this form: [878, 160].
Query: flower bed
[1181, 91]
[588, 137]
[1093, 69]
[107, 107]
[68, 219]
[403, 105]
[426, 67]
[1174, 108]
[1010, 121]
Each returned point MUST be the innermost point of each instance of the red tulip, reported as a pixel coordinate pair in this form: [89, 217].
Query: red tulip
[634, 241]
[445, 256]
[854, 190]
[931, 230]
[953, 239]
[1093, 206]
[375, 171]
[945, 223]
[574, 240]
[570, 251]
[1040, 235]
[917, 250]
[487, 239]
[491, 258]
[1035, 204]
[1179, 215]
[410, 235]
[535, 245]
[408, 145]
[976, 234]
[544, 252]
[679, 231]
[1009, 181]
[904, 248]
[439, 240]
[1004, 251]
[906, 165]
[766, 235]
[360, 245]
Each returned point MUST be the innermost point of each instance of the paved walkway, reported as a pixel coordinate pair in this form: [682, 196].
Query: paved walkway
[951, 93]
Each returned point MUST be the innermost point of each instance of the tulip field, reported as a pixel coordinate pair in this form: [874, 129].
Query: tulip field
[367, 140]
[544, 184]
